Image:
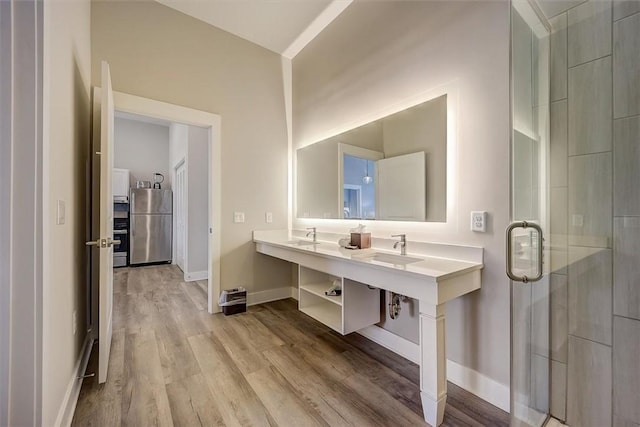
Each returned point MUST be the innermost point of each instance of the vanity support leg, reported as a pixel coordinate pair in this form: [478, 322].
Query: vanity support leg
[433, 362]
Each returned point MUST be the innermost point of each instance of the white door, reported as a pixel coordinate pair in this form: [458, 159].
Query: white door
[401, 188]
[104, 243]
[180, 195]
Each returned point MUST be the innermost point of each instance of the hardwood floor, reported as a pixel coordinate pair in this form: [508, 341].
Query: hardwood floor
[172, 363]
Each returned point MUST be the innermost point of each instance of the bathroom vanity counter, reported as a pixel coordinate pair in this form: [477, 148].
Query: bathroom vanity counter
[426, 277]
[433, 275]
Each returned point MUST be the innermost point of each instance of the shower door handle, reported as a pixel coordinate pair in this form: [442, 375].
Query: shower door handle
[525, 225]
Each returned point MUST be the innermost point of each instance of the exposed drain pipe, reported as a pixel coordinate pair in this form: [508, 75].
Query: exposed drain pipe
[394, 304]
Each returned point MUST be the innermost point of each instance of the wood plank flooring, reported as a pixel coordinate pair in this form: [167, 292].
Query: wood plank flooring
[172, 363]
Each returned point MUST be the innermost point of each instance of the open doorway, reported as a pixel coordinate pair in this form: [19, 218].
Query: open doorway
[161, 195]
[142, 191]
[206, 126]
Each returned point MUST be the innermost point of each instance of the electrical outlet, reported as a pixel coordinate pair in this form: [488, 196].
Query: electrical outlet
[238, 217]
[268, 217]
[479, 221]
[75, 322]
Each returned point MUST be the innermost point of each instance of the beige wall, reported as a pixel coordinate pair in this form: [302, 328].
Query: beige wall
[67, 113]
[423, 128]
[143, 149]
[367, 60]
[198, 199]
[159, 53]
[318, 185]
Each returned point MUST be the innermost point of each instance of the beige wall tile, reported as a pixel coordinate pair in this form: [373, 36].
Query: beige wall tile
[590, 200]
[624, 8]
[626, 267]
[559, 312]
[558, 211]
[521, 341]
[559, 137]
[626, 63]
[588, 384]
[540, 376]
[559, 260]
[558, 401]
[590, 293]
[541, 316]
[589, 115]
[626, 368]
[551, 8]
[558, 60]
[558, 238]
[589, 32]
[626, 173]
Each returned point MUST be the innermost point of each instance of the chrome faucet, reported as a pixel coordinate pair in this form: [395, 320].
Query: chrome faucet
[402, 243]
[312, 233]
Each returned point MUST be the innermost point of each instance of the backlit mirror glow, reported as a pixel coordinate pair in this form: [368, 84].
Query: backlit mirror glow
[394, 168]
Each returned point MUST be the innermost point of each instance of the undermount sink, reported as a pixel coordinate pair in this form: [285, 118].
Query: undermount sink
[302, 242]
[391, 258]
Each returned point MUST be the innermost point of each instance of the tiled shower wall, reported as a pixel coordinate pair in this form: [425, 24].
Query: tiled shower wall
[595, 213]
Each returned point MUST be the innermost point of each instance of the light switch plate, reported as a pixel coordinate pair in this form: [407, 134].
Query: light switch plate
[238, 217]
[60, 213]
[479, 221]
[268, 217]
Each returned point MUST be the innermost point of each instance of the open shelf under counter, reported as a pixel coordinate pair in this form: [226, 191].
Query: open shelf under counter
[327, 313]
[318, 289]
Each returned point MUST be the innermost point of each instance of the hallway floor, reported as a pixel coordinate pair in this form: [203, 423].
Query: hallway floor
[172, 363]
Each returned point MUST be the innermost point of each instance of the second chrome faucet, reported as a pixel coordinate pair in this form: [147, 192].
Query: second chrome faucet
[312, 233]
[402, 243]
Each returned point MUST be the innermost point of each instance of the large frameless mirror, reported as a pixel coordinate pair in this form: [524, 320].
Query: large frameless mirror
[392, 169]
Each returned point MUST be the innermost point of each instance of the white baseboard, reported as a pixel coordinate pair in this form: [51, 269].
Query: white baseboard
[261, 297]
[474, 382]
[196, 275]
[401, 346]
[479, 384]
[295, 292]
[68, 407]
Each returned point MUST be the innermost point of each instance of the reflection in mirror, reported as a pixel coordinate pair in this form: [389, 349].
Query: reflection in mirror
[359, 196]
[391, 169]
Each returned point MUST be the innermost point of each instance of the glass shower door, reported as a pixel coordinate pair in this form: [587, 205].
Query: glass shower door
[527, 265]
[575, 155]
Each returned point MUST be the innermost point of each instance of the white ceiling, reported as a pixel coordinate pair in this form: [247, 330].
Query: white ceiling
[282, 26]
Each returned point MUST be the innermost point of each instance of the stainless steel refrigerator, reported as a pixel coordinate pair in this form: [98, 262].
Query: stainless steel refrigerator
[151, 223]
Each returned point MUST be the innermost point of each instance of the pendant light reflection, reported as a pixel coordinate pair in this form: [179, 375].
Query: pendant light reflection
[367, 179]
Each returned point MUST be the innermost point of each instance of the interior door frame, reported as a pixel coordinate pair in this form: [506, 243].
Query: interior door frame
[23, 229]
[183, 194]
[133, 104]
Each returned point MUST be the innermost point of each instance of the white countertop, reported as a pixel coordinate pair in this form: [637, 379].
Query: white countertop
[434, 267]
